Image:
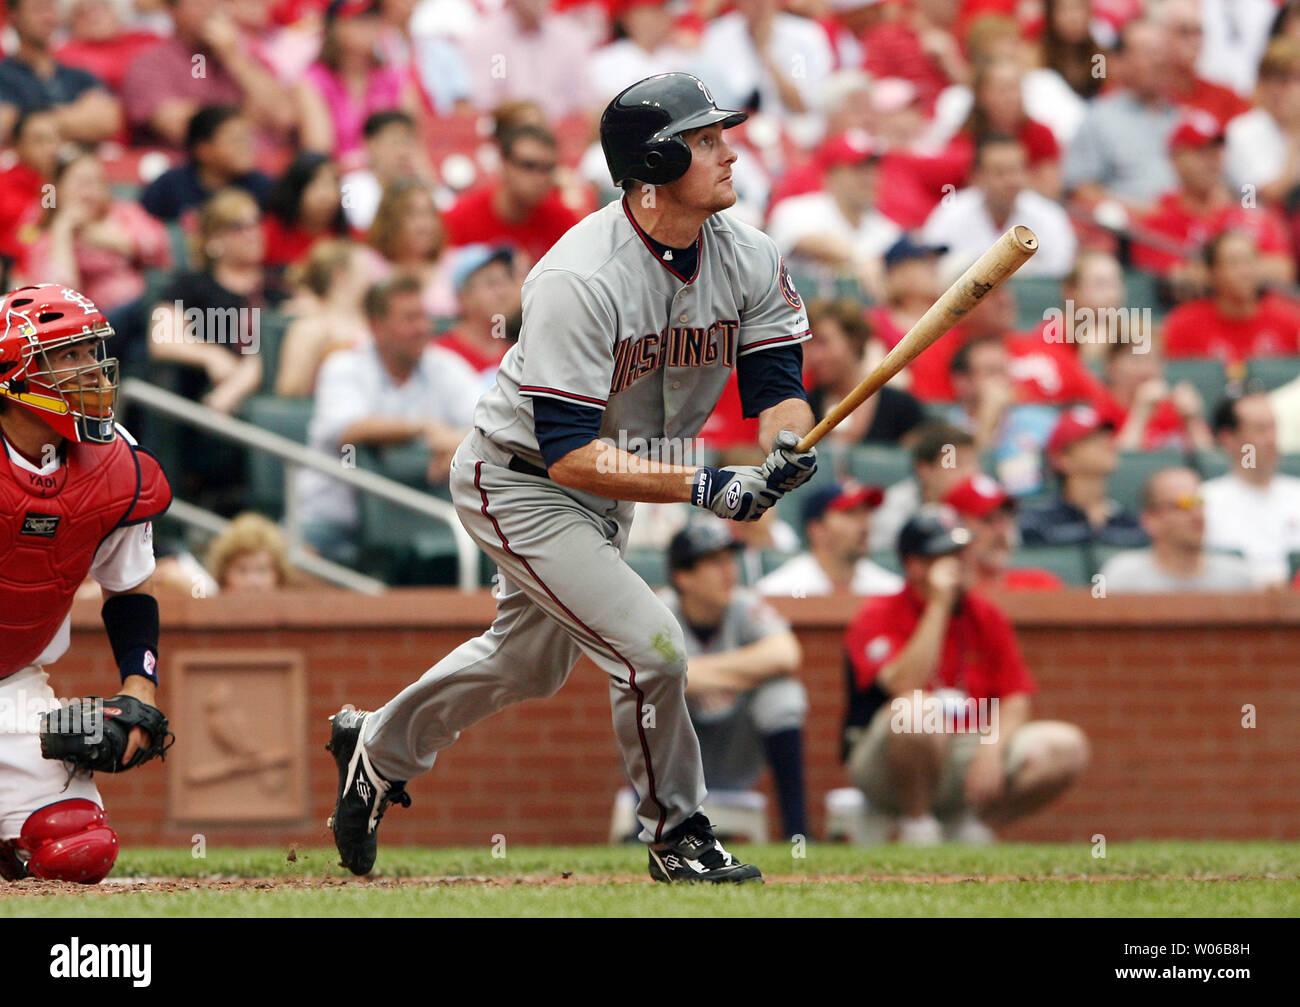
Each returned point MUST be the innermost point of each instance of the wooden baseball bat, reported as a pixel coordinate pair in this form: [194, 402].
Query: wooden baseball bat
[1004, 257]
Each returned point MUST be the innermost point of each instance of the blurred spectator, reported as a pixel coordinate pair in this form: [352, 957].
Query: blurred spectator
[396, 389]
[219, 142]
[488, 292]
[836, 522]
[32, 78]
[1093, 290]
[25, 186]
[440, 69]
[911, 286]
[1183, 23]
[522, 208]
[988, 511]
[999, 196]
[222, 367]
[407, 234]
[1254, 509]
[392, 153]
[1201, 207]
[839, 228]
[304, 207]
[745, 699]
[1148, 413]
[1173, 514]
[761, 58]
[1263, 145]
[942, 456]
[1236, 32]
[919, 46]
[1239, 319]
[847, 23]
[1286, 408]
[991, 405]
[348, 83]
[525, 50]
[938, 650]
[163, 88]
[1120, 149]
[98, 42]
[646, 47]
[1057, 92]
[998, 110]
[835, 360]
[250, 556]
[94, 243]
[1081, 455]
[326, 312]
[286, 42]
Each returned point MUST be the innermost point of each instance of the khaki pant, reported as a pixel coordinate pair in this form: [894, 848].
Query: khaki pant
[871, 772]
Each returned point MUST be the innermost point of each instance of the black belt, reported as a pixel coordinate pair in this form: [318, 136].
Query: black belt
[527, 468]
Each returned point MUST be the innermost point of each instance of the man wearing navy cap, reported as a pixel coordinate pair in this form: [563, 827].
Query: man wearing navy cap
[745, 701]
[938, 723]
[837, 525]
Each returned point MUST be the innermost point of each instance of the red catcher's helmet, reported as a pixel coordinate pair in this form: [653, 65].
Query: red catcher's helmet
[37, 325]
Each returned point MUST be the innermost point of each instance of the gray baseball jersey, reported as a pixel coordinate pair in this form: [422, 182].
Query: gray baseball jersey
[649, 347]
[606, 324]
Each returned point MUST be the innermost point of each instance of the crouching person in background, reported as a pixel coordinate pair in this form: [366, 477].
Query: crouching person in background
[938, 730]
[745, 702]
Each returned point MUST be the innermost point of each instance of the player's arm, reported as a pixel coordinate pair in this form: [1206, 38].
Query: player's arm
[132, 624]
[599, 467]
[745, 667]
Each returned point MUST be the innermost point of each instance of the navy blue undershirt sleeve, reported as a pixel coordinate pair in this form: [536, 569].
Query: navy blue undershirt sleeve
[562, 427]
[767, 377]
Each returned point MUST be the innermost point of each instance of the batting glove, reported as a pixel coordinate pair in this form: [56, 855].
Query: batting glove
[788, 467]
[737, 493]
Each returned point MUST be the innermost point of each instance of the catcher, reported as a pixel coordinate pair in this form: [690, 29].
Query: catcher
[78, 497]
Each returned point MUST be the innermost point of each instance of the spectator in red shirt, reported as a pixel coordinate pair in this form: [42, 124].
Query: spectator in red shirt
[32, 78]
[1182, 22]
[1148, 413]
[998, 110]
[522, 208]
[919, 45]
[23, 186]
[97, 44]
[1203, 206]
[163, 88]
[988, 510]
[304, 207]
[488, 292]
[1239, 319]
[940, 655]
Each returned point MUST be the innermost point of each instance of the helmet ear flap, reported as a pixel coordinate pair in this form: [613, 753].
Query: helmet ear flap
[666, 161]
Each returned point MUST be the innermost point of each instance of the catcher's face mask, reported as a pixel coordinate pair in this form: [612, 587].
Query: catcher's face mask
[53, 361]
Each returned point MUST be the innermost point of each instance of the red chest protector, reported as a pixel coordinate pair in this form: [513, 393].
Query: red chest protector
[51, 526]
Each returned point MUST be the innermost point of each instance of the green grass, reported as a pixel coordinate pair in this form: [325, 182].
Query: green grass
[1134, 879]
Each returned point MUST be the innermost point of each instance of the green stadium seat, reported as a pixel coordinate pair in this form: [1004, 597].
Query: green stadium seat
[1210, 464]
[1066, 561]
[272, 326]
[650, 563]
[888, 558]
[1143, 291]
[180, 242]
[877, 465]
[1207, 375]
[405, 548]
[1134, 467]
[1034, 295]
[1290, 465]
[773, 558]
[284, 416]
[1098, 555]
[1273, 372]
[1294, 562]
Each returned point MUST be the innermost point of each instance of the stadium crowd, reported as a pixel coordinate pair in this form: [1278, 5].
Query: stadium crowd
[317, 215]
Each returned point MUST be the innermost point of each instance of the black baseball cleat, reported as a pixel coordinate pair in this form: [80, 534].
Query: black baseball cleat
[363, 797]
[693, 854]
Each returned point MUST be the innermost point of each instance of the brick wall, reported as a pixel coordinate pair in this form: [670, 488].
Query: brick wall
[1158, 686]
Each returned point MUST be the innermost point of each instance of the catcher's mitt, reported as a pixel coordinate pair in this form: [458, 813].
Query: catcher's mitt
[93, 734]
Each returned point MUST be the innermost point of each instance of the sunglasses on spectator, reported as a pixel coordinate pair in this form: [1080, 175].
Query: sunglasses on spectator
[1187, 501]
[541, 167]
[241, 225]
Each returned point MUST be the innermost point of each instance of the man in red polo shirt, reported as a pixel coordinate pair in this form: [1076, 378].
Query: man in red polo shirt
[523, 207]
[938, 726]
[23, 186]
[988, 511]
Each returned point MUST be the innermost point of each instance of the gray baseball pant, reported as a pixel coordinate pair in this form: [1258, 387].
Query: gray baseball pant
[564, 590]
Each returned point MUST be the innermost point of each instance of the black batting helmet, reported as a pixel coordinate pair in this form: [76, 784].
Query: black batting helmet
[640, 129]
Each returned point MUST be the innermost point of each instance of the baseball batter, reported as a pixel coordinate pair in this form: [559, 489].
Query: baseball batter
[632, 324]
